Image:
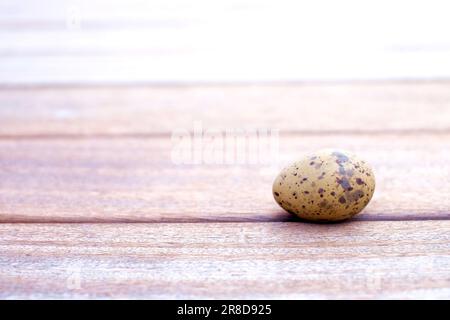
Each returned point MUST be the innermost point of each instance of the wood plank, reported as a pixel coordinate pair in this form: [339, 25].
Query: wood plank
[135, 179]
[226, 260]
[333, 108]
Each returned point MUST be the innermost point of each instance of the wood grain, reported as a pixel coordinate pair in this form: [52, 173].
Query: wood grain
[135, 179]
[226, 260]
[104, 154]
[130, 110]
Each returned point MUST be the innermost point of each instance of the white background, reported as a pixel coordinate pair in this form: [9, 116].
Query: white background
[159, 41]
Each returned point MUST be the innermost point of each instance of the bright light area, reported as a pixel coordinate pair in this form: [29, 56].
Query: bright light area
[226, 40]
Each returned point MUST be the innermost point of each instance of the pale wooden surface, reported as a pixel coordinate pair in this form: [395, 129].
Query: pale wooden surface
[102, 154]
[386, 107]
[134, 179]
[408, 259]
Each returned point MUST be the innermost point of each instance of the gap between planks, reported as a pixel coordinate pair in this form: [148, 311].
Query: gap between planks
[284, 133]
[27, 220]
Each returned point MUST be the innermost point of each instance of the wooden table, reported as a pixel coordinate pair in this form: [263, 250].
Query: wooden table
[92, 205]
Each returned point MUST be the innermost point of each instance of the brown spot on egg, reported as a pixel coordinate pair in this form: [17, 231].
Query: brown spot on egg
[354, 196]
[323, 204]
[343, 182]
[341, 158]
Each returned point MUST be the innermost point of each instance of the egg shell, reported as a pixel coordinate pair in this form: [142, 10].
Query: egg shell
[329, 185]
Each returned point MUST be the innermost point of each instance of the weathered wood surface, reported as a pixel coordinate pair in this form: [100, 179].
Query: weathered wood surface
[131, 179]
[371, 107]
[399, 259]
[103, 154]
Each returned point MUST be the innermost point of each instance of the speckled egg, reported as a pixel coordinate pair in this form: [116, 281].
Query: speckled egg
[329, 185]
